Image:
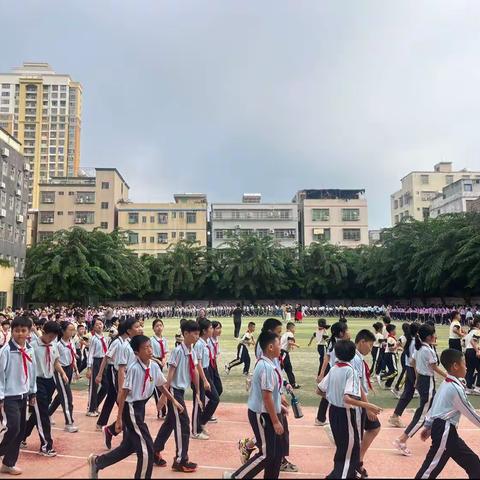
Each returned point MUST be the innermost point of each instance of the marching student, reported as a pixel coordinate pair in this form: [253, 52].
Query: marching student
[410, 378]
[68, 361]
[455, 332]
[142, 376]
[442, 421]
[97, 348]
[425, 364]
[182, 372]
[81, 347]
[160, 350]
[402, 341]
[17, 387]
[214, 346]
[383, 345]
[5, 333]
[321, 336]
[390, 358]
[287, 344]
[47, 362]
[243, 356]
[179, 335]
[472, 357]
[342, 388]
[370, 425]
[264, 409]
[378, 327]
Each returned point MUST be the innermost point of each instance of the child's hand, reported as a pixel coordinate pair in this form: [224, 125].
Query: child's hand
[178, 406]
[374, 409]
[118, 425]
[284, 410]
[278, 427]
[371, 416]
[206, 385]
[425, 434]
[161, 403]
[98, 379]
[88, 374]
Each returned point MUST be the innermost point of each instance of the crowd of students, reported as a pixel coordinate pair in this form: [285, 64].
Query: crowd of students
[45, 350]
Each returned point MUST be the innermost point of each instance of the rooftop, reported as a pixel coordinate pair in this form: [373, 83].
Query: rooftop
[329, 194]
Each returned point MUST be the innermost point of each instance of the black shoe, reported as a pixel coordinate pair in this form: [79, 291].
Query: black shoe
[296, 386]
[184, 467]
[158, 460]
[107, 437]
[360, 471]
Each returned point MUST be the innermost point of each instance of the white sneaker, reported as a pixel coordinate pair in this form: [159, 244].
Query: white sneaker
[204, 430]
[476, 391]
[52, 421]
[329, 433]
[71, 428]
[470, 391]
[227, 475]
[213, 420]
[11, 470]
[395, 393]
[200, 436]
[318, 423]
[92, 414]
[227, 370]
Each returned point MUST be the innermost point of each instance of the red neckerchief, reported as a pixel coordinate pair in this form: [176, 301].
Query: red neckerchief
[213, 362]
[367, 374]
[104, 345]
[449, 380]
[25, 359]
[72, 353]
[280, 359]
[162, 348]
[191, 363]
[342, 364]
[146, 378]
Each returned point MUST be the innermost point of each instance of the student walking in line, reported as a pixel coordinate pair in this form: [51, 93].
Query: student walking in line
[472, 358]
[321, 337]
[243, 356]
[288, 344]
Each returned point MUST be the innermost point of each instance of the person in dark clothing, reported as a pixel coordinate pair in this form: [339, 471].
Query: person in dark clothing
[237, 320]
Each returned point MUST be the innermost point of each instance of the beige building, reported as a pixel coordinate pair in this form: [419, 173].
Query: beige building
[154, 227]
[336, 216]
[43, 110]
[88, 201]
[7, 275]
[420, 188]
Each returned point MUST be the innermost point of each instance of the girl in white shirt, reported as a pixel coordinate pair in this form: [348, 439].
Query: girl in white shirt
[472, 357]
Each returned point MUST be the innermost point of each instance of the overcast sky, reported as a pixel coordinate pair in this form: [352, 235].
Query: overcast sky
[225, 97]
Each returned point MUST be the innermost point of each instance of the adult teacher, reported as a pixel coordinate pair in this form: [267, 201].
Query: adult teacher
[237, 320]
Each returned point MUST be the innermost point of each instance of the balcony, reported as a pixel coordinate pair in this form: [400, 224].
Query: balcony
[19, 218]
[85, 199]
[46, 220]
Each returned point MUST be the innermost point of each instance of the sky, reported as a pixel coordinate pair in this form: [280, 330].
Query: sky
[271, 96]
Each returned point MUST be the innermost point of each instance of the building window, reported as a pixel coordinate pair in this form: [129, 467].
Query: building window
[144, 239]
[174, 214]
[105, 185]
[3, 300]
[468, 187]
[104, 225]
[191, 218]
[191, 236]
[321, 235]
[47, 197]
[396, 218]
[285, 233]
[162, 217]
[395, 204]
[162, 237]
[351, 234]
[424, 179]
[181, 234]
[320, 215]
[144, 219]
[59, 213]
[152, 219]
[46, 217]
[132, 238]
[132, 218]
[84, 218]
[104, 205]
[174, 235]
[425, 213]
[152, 239]
[84, 197]
[350, 214]
[180, 214]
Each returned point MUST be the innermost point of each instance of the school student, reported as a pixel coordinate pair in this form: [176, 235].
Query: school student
[68, 361]
[5, 333]
[264, 409]
[97, 348]
[383, 345]
[442, 421]
[81, 347]
[160, 351]
[321, 337]
[390, 357]
[402, 341]
[179, 335]
[287, 344]
[342, 388]
[410, 378]
[243, 356]
[472, 358]
[47, 362]
[142, 376]
[182, 372]
[378, 327]
[425, 363]
[455, 332]
[214, 347]
[17, 388]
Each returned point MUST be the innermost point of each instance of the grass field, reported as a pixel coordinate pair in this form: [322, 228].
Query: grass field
[304, 360]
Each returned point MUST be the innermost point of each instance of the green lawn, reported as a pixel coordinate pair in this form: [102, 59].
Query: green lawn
[304, 360]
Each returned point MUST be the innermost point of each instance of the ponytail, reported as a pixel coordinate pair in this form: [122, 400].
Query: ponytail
[424, 331]
[336, 330]
[411, 336]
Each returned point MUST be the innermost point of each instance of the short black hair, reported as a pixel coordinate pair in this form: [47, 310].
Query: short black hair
[189, 326]
[130, 322]
[378, 326]
[137, 341]
[365, 335]
[251, 324]
[390, 328]
[157, 320]
[345, 350]
[454, 314]
[204, 325]
[266, 338]
[271, 324]
[290, 325]
[449, 357]
[386, 320]
[5, 322]
[216, 324]
[52, 327]
[21, 321]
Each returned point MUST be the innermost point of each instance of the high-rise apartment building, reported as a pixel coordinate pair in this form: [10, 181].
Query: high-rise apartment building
[336, 216]
[43, 110]
[419, 188]
[457, 197]
[153, 227]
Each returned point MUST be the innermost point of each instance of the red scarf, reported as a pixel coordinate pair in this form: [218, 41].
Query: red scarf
[104, 345]
[213, 362]
[367, 375]
[191, 366]
[449, 380]
[48, 359]
[162, 349]
[72, 353]
[146, 378]
[25, 359]
[342, 364]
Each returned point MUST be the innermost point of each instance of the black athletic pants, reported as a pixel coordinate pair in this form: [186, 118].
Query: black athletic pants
[178, 423]
[197, 408]
[270, 449]
[64, 396]
[136, 439]
[408, 391]
[215, 376]
[287, 366]
[321, 356]
[111, 382]
[15, 409]
[213, 400]
[323, 407]
[96, 396]
[242, 357]
[236, 328]
[426, 391]
[380, 364]
[455, 343]
[473, 368]
[400, 378]
[391, 371]
[447, 444]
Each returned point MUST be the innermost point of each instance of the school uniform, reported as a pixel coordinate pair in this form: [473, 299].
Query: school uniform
[82, 353]
[266, 377]
[45, 358]
[140, 381]
[185, 363]
[242, 353]
[375, 351]
[321, 340]
[214, 347]
[344, 421]
[285, 340]
[472, 340]
[390, 362]
[97, 348]
[323, 407]
[381, 351]
[443, 419]
[410, 378]
[425, 358]
[402, 341]
[67, 358]
[160, 351]
[454, 339]
[17, 385]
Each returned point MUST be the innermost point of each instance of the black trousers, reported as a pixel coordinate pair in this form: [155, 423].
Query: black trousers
[345, 428]
[15, 409]
[215, 376]
[455, 343]
[391, 371]
[323, 407]
[287, 366]
[270, 449]
[81, 359]
[237, 325]
[39, 413]
[96, 396]
[426, 391]
[379, 365]
[473, 368]
[408, 391]
[64, 396]
[136, 439]
[447, 444]
[179, 424]
[374, 359]
[212, 400]
[400, 377]
[242, 357]
[111, 382]
[197, 408]
[321, 356]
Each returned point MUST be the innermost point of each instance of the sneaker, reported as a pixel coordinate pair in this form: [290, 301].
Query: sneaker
[416, 395]
[48, 453]
[287, 466]
[184, 467]
[11, 470]
[52, 421]
[200, 436]
[98, 427]
[395, 393]
[476, 391]
[92, 414]
[318, 423]
[395, 421]
[360, 471]
[204, 430]
[158, 460]
[227, 370]
[379, 379]
[213, 420]
[227, 475]
[23, 444]
[71, 428]
[92, 465]
[296, 386]
[107, 437]
[329, 433]
[402, 448]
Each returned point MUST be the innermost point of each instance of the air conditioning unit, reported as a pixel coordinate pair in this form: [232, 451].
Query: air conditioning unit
[26, 167]
[5, 152]
[18, 192]
[79, 221]
[2, 185]
[272, 231]
[3, 212]
[19, 218]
